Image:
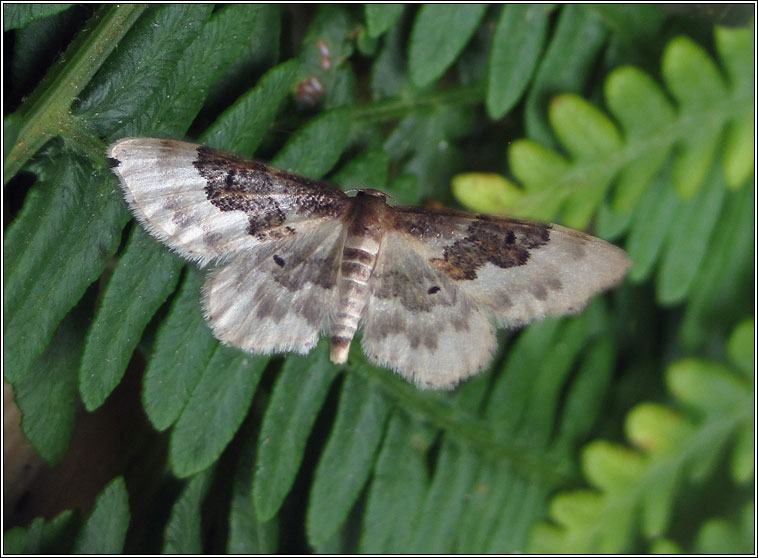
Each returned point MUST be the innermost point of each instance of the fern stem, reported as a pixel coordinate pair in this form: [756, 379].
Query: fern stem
[470, 431]
[398, 107]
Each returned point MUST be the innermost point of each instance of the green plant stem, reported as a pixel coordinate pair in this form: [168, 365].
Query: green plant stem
[398, 107]
[471, 431]
[47, 111]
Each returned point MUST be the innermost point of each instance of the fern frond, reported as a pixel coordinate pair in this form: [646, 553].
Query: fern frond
[636, 490]
[104, 530]
[651, 128]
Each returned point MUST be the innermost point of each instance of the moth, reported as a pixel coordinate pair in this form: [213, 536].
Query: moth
[295, 259]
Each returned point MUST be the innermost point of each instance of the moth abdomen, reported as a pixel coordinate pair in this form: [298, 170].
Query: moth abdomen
[362, 244]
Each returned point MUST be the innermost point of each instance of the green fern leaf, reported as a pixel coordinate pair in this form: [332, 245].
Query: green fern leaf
[247, 535]
[328, 131]
[16, 16]
[380, 17]
[215, 410]
[183, 531]
[143, 269]
[242, 126]
[172, 373]
[326, 45]
[300, 390]
[135, 77]
[42, 537]
[46, 396]
[516, 44]
[398, 487]
[348, 457]
[104, 531]
[54, 251]
[568, 59]
[439, 34]
[717, 536]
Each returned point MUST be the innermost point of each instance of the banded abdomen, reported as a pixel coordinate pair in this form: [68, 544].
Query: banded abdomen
[362, 244]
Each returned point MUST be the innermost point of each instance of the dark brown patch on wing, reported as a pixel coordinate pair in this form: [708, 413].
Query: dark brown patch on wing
[474, 240]
[270, 197]
[502, 244]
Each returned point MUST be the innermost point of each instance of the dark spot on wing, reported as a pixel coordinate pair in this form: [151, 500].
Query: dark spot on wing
[553, 283]
[539, 291]
[434, 289]
[278, 261]
[309, 309]
[265, 307]
[430, 339]
[112, 162]
[271, 308]
[391, 323]
[213, 239]
[460, 323]
[280, 309]
[414, 338]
